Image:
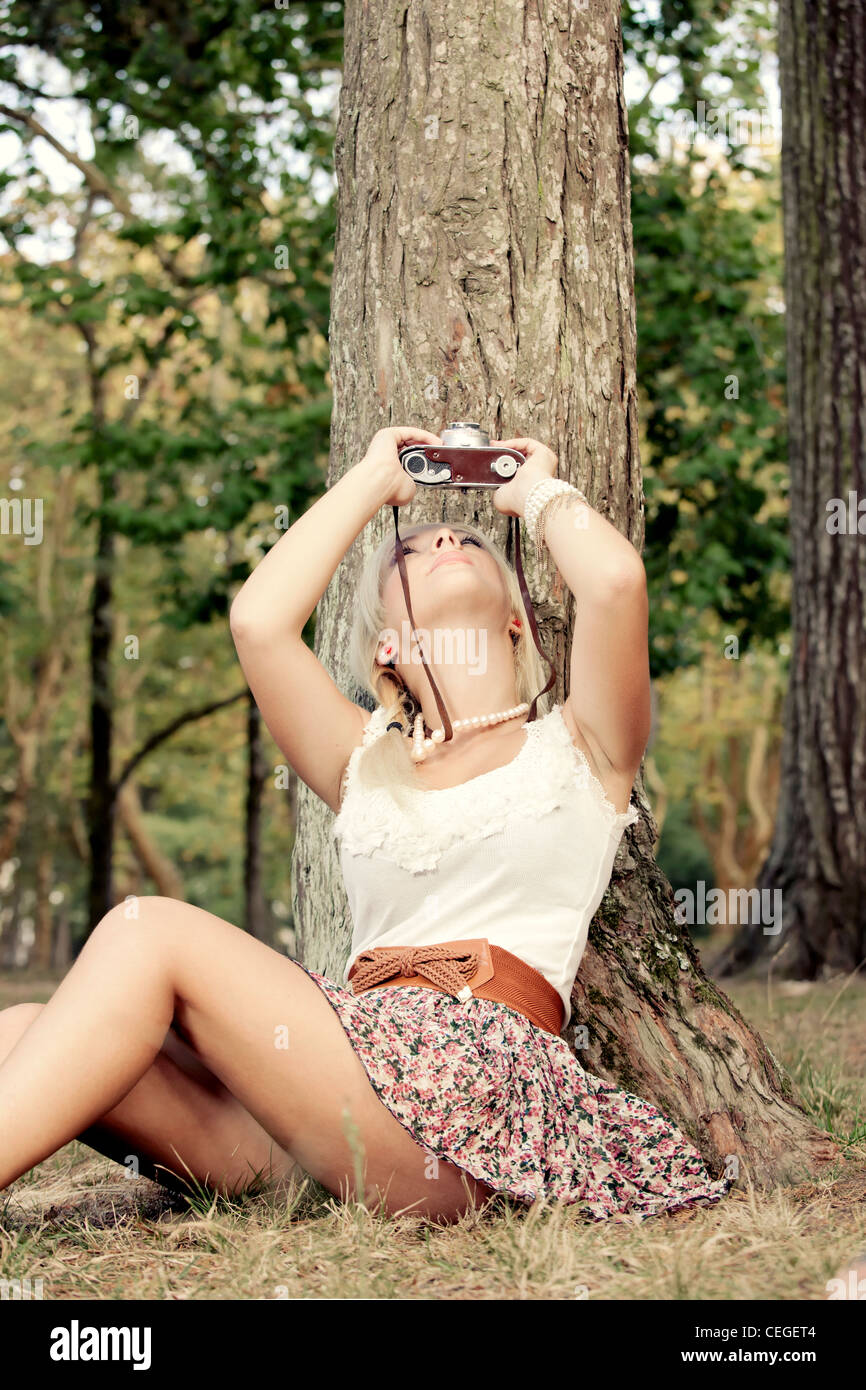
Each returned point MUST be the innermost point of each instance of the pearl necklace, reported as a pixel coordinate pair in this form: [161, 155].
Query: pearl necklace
[421, 745]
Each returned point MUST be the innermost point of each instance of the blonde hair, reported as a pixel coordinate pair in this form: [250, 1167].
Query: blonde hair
[387, 761]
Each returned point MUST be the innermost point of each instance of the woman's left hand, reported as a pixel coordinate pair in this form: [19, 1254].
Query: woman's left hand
[541, 462]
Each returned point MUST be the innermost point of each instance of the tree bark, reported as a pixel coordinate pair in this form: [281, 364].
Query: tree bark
[256, 919]
[101, 802]
[483, 271]
[816, 860]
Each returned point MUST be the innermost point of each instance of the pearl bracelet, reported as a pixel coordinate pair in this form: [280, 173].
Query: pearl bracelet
[538, 499]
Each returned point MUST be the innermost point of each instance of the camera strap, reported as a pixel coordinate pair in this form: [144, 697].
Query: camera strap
[527, 603]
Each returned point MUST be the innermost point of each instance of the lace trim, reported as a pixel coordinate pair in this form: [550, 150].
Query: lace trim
[585, 777]
[541, 777]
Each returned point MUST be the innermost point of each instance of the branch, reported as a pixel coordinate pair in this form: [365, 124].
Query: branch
[100, 187]
[13, 80]
[161, 735]
[97, 183]
[92, 176]
[80, 228]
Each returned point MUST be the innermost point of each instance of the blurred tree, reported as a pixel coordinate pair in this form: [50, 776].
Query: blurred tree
[710, 366]
[724, 743]
[231, 85]
[218, 80]
[817, 861]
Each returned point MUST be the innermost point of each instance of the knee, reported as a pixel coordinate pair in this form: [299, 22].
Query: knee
[145, 907]
[13, 1022]
[136, 922]
[21, 1013]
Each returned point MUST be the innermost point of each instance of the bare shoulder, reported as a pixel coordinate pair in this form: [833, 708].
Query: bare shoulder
[617, 783]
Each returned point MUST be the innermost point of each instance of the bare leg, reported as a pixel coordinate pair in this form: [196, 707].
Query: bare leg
[179, 1123]
[253, 1019]
[90, 1044]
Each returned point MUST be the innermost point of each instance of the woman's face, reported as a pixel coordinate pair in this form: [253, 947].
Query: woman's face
[453, 581]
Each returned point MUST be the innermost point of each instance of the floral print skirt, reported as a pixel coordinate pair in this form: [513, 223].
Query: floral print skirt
[478, 1085]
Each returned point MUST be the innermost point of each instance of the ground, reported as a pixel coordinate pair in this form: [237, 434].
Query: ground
[78, 1224]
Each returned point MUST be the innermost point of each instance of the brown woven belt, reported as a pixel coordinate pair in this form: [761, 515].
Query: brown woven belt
[466, 969]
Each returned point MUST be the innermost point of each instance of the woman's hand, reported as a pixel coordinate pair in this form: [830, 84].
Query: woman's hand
[541, 462]
[382, 456]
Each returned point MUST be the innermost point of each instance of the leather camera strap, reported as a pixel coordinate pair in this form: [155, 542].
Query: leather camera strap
[527, 602]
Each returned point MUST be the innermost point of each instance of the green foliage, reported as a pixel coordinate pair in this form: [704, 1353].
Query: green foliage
[224, 80]
[710, 335]
[221, 77]
[193, 307]
[196, 400]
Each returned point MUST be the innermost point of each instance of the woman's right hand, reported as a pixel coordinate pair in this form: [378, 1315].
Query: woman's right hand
[382, 456]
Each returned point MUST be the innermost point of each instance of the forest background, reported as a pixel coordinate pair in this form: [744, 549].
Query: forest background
[167, 214]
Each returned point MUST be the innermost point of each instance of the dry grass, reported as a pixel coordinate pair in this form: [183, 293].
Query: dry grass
[78, 1224]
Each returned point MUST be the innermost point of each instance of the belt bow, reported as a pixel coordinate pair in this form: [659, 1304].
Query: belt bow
[444, 966]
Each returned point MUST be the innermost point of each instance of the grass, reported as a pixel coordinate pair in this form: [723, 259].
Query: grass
[79, 1224]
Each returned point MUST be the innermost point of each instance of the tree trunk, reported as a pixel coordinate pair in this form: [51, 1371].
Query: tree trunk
[162, 871]
[816, 860]
[43, 946]
[483, 271]
[49, 667]
[255, 913]
[737, 773]
[27, 732]
[101, 803]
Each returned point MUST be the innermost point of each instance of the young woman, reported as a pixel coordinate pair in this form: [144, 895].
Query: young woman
[181, 1042]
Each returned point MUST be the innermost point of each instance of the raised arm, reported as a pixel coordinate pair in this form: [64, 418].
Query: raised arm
[609, 679]
[312, 722]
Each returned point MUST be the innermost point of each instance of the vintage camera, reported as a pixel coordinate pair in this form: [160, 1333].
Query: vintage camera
[464, 459]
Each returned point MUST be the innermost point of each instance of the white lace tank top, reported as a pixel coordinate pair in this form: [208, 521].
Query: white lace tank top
[521, 855]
